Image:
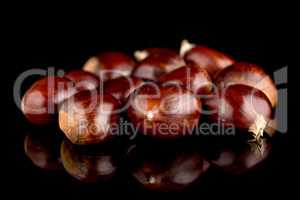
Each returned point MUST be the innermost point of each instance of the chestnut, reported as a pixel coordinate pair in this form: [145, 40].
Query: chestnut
[83, 80]
[121, 87]
[157, 64]
[243, 157]
[110, 65]
[39, 103]
[88, 116]
[242, 107]
[164, 111]
[88, 164]
[43, 149]
[154, 51]
[165, 167]
[193, 77]
[248, 74]
[211, 60]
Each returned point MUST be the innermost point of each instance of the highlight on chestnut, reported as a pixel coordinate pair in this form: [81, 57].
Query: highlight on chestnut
[156, 62]
[40, 102]
[83, 80]
[122, 87]
[110, 65]
[211, 60]
[248, 74]
[243, 106]
[164, 111]
[193, 77]
[88, 117]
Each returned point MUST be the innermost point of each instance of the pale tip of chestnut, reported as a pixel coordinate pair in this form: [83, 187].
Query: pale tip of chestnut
[124, 73]
[152, 180]
[257, 128]
[91, 65]
[141, 55]
[69, 126]
[149, 116]
[185, 47]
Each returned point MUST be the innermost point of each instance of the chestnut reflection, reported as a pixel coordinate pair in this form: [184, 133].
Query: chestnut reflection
[88, 163]
[42, 148]
[243, 157]
[165, 167]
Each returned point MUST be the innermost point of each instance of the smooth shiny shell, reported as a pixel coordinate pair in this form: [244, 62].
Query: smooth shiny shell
[88, 116]
[211, 60]
[121, 87]
[248, 74]
[43, 150]
[165, 168]
[83, 80]
[87, 165]
[194, 78]
[110, 65]
[243, 158]
[39, 103]
[155, 51]
[164, 111]
[157, 64]
[240, 106]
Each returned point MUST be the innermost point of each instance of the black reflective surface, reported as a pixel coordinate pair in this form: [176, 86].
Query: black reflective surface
[44, 156]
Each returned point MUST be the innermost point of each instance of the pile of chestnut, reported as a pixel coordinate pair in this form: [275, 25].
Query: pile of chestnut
[154, 88]
[160, 86]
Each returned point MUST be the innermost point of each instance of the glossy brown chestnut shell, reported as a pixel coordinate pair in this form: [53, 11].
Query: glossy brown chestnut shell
[43, 149]
[164, 111]
[121, 87]
[154, 51]
[211, 60]
[83, 80]
[110, 65]
[39, 103]
[240, 106]
[87, 165]
[87, 117]
[157, 64]
[193, 77]
[248, 74]
[165, 167]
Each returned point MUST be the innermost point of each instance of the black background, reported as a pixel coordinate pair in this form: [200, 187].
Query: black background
[66, 42]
